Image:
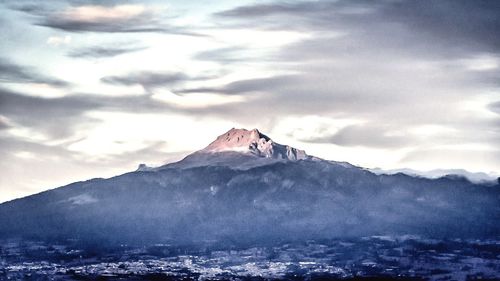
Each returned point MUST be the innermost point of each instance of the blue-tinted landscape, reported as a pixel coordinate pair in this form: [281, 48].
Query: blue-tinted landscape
[247, 207]
[250, 140]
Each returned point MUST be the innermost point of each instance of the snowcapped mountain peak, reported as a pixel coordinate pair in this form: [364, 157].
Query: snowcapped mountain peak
[241, 149]
[241, 140]
[255, 143]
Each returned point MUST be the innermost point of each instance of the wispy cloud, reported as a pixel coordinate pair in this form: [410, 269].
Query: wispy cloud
[14, 73]
[129, 18]
[147, 79]
[495, 107]
[3, 123]
[120, 18]
[104, 14]
[398, 65]
[102, 52]
[367, 135]
[59, 118]
[53, 117]
[57, 41]
[454, 25]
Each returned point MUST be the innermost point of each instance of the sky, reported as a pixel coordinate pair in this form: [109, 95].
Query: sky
[94, 88]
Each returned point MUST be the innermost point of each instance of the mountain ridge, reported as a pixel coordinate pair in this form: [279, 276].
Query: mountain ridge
[254, 138]
[228, 195]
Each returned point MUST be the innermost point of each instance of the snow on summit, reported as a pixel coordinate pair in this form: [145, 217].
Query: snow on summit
[253, 142]
[241, 140]
[241, 149]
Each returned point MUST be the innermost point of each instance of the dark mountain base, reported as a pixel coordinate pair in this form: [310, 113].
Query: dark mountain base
[300, 200]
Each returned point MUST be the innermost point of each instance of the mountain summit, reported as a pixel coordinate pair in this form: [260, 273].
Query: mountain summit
[253, 142]
[242, 148]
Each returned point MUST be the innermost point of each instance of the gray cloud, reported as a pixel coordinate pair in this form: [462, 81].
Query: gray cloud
[373, 59]
[147, 79]
[452, 27]
[14, 73]
[458, 22]
[340, 92]
[11, 145]
[150, 80]
[51, 116]
[27, 7]
[109, 27]
[235, 54]
[246, 86]
[371, 31]
[228, 54]
[495, 107]
[51, 15]
[368, 135]
[102, 52]
[3, 125]
[62, 117]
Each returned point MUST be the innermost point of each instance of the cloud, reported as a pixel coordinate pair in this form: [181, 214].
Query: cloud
[57, 41]
[120, 18]
[248, 86]
[373, 59]
[449, 26]
[128, 18]
[61, 118]
[495, 107]
[104, 14]
[52, 117]
[155, 79]
[103, 52]
[14, 73]
[227, 55]
[147, 79]
[456, 22]
[3, 123]
[368, 135]
[10, 145]
[380, 62]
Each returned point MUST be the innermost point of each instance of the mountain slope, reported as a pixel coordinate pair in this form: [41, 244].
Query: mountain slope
[253, 195]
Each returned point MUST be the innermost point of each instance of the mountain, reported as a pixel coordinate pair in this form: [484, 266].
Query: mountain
[254, 143]
[241, 149]
[245, 188]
